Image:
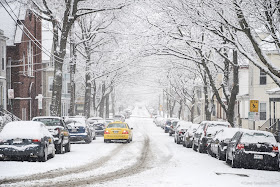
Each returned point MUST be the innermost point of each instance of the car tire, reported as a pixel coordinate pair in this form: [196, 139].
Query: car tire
[53, 154]
[128, 141]
[59, 148]
[199, 148]
[184, 144]
[194, 147]
[44, 158]
[68, 147]
[234, 163]
[88, 140]
[227, 160]
[177, 140]
[170, 134]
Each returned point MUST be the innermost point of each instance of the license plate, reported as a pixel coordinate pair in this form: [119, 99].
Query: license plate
[116, 132]
[259, 157]
[17, 140]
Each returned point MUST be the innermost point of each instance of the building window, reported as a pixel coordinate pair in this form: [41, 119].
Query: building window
[262, 111]
[262, 77]
[23, 64]
[68, 87]
[30, 59]
[50, 84]
[198, 92]
[3, 58]
[23, 114]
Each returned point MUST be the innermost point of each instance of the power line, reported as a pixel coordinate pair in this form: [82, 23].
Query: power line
[29, 33]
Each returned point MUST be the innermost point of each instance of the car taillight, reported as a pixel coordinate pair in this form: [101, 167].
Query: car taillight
[36, 140]
[106, 132]
[125, 132]
[240, 146]
[275, 149]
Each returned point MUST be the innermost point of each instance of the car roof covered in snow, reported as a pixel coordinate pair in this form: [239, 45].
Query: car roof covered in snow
[24, 130]
[226, 133]
[43, 117]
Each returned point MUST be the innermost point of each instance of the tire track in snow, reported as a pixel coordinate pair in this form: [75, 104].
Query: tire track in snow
[59, 173]
[139, 166]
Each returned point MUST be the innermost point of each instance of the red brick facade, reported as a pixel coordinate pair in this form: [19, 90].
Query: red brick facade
[25, 80]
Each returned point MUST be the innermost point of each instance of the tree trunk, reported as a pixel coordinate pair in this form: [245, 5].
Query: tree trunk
[72, 111]
[59, 54]
[206, 98]
[172, 108]
[94, 98]
[107, 112]
[113, 101]
[88, 90]
[102, 102]
[180, 109]
[192, 109]
[234, 91]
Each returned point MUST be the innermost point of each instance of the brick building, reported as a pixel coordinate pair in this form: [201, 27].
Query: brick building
[24, 59]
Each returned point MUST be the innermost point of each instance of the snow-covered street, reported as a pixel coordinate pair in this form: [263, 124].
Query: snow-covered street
[151, 159]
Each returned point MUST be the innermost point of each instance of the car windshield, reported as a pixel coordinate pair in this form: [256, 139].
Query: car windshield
[116, 125]
[257, 137]
[50, 121]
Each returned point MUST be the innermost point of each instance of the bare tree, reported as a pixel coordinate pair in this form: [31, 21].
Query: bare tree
[62, 15]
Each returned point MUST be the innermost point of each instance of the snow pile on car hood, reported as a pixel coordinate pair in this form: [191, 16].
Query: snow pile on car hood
[24, 130]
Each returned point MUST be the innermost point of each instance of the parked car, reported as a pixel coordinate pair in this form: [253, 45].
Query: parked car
[80, 131]
[58, 129]
[162, 122]
[252, 148]
[108, 120]
[218, 144]
[168, 123]
[202, 134]
[157, 120]
[181, 128]
[173, 126]
[118, 131]
[98, 124]
[187, 139]
[26, 140]
[119, 117]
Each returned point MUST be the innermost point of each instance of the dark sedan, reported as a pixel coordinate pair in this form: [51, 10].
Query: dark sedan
[26, 140]
[251, 148]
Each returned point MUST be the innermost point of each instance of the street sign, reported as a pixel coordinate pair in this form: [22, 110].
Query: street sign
[254, 105]
[253, 116]
[40, 101]
[11, 94]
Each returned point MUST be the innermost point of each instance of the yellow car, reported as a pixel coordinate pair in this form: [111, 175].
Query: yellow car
[118, 130]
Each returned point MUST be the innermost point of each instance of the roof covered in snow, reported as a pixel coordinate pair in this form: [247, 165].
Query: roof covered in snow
[8, 21]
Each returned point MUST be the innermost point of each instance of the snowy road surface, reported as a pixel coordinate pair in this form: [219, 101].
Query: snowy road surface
[151, 159]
